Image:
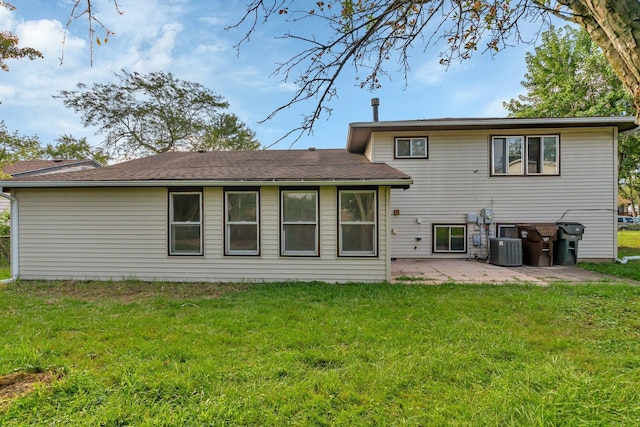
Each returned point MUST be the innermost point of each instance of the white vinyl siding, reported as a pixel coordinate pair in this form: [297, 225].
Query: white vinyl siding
[458, 181]
[102, 233]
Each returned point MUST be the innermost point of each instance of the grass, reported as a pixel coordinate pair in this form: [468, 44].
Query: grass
[318, 354]
[628, 245]
[5, 272]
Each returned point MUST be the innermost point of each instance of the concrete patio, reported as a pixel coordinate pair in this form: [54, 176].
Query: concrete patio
[438, 271]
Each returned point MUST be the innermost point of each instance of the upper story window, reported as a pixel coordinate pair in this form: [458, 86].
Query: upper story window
[358, 223]
[242, 216]
[185, 223]
[525, 155]
[412, 148]
[299, 228]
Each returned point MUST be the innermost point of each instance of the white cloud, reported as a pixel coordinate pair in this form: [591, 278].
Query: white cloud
[288, 86]
[46, 35]
[219, 46]
[6, 19]
[6, 91]
[429, 73]
[494, 108]
[215, 21]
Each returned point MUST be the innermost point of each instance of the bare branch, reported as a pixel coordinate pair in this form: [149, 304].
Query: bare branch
[84, 8]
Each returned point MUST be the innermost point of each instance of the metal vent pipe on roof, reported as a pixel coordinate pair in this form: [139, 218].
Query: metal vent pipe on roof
[375, 102]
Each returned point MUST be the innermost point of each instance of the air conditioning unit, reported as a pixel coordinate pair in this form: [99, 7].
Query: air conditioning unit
[505, 251]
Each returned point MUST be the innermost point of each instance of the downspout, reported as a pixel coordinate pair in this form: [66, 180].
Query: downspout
[14, 237]
[626, 259]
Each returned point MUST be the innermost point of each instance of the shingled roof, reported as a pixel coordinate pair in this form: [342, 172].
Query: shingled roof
[228, 167]
[36, 167]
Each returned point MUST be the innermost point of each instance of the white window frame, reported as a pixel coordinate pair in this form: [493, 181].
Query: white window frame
[450, 251]
[508, 139]
[289, 252]
[411, 140]
[541, 158]
[524, 155]
[173, 223]
[228, 223]
[374, 251]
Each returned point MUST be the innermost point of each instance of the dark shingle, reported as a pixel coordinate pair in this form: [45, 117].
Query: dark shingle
[263, 165]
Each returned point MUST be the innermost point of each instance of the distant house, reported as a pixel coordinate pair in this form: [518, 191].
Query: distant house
[401, 189]
[42, 167]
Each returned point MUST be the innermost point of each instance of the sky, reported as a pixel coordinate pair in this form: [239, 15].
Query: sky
[188, 38]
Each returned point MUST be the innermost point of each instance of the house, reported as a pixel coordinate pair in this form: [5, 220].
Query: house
[41, 167]
[401, 189]
[516, 170]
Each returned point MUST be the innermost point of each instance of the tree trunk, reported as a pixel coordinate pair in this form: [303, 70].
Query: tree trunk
[615, 26]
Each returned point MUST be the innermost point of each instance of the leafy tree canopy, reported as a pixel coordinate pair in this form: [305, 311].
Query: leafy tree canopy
[70, 148]
[568, 76]
[15, 147]
[145, 114]
[9, 45]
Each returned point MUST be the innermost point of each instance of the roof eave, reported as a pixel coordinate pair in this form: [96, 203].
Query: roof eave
[391, 182]
[359, 133]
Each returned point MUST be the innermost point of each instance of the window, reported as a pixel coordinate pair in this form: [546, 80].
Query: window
[411, 148]
[185, 223]
[241, 223]
[357, 222]
[450, 238]
[510, 154]
[542, 155]
[299, 228]
[507, 230]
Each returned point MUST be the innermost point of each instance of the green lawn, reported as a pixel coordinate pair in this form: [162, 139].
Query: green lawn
[5, 272]
[318, 354]
[628, 245]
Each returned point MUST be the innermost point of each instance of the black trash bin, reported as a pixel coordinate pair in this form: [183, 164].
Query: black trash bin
[565, 251]
[537, 243]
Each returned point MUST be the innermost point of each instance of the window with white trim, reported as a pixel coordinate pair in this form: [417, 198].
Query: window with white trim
[358, 225]
[525, 155]
[412, 148]
[299, 222]
[242, 216]
[449, 238]
[185, 223]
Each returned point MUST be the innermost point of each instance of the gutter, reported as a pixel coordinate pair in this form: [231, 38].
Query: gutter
[391, 182]
[15, 260]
